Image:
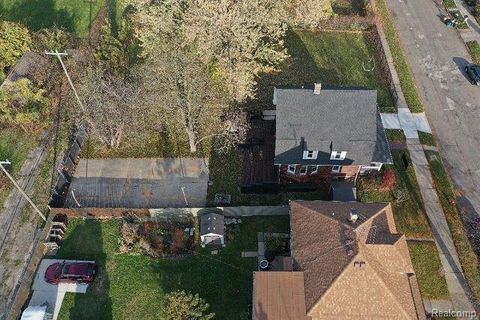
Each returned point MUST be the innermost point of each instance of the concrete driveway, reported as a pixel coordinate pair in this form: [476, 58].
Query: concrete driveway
[44, 292]
[139, 183]
[438, 56]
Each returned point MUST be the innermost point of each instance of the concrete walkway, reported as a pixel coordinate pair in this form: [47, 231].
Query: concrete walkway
[457, 286]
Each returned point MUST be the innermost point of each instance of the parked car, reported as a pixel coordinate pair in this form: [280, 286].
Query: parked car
[473, 72]
[71, 272]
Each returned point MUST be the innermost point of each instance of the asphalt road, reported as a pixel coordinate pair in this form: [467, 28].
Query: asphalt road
[438, 56]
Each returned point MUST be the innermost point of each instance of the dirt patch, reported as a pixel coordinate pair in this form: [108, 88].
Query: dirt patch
[158, 239]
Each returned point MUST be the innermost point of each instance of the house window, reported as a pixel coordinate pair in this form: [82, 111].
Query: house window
[336, 169]
[337, 155]
[303, 170]
[314, 170]
[310, 154]
[291, 168]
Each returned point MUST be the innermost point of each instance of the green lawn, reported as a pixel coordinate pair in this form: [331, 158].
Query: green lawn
[466, 254]
[407, 203]
[133, 286]
[427, 138]
[450, 4]
[395, 135]
[428, 269]
[334, 58]
[72, 15]
[407, 81]
[474, 49]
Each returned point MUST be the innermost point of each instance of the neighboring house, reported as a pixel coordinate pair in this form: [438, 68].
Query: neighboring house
[325, 133]
[353, 262]
[212, 229]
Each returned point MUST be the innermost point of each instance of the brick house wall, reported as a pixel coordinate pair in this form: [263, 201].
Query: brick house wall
[323, 175]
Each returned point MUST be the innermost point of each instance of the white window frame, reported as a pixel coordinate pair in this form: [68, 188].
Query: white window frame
[306, 170]
[336, 169]
[294, 166]
[314, 169]
[310, 154]
[337, 155]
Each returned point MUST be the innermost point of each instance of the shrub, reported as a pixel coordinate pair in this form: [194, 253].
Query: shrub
[471, 2]
[52, 39]
[389, 179]
[476, 10]
[15, 40]
[184, 306]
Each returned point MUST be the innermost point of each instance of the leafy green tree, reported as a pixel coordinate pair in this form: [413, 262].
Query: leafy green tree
[117, 53]
[236, 39]
[52, 39]
[306, 13]
[180, 305]
[21, 104]
[15, 40]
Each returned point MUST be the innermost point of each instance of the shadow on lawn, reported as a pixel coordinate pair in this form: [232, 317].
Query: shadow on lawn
[86, 242]
[37, 14]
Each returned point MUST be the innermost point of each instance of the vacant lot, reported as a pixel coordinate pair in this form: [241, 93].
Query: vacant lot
[72, 15]
[133, 286]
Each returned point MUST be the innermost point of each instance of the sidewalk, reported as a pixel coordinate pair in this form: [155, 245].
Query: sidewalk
[457, 285]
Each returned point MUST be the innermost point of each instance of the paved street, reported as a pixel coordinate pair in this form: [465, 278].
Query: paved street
[438, 57]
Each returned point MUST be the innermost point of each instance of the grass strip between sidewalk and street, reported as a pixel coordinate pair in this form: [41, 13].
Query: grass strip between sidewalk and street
[466, 254]
[429, 269]
[407, 81]
[474, 49]
[426, 139]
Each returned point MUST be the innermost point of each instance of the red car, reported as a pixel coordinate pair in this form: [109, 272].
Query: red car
[71, 272]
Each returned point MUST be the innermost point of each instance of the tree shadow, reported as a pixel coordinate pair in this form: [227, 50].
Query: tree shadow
[38, 14]
[86, 242]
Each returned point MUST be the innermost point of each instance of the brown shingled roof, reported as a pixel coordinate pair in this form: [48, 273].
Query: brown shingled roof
[278, 296]
[353, 270]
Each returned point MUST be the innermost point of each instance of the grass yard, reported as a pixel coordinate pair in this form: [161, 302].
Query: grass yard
[407, 81]
[72, 15]
[407, 203]
[334, 58]
[396, 135]
[450, 4]
[466, 254]
[474, 49]
[427, 139]
[133, 286]
[428, 269]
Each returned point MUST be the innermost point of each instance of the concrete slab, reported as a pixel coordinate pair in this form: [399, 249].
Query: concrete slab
[418, 157]
[52, 294]
[407, 123]
[249, 254]
[424, 177]
[421, 122]
[390, 121]
[139, 183]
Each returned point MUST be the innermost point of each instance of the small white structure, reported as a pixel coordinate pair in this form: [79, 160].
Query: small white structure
[37, 313]
[212, 229]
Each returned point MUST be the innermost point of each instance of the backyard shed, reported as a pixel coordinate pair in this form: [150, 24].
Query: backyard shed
[212, 230]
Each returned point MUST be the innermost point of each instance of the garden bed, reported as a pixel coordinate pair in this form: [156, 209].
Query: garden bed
[474, 49]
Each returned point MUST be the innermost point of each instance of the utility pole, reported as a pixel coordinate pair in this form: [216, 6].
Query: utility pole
[2, 163]
[59, 56]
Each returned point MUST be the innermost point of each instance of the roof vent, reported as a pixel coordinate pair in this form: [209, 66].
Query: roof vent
[353, 215]
[317, 87]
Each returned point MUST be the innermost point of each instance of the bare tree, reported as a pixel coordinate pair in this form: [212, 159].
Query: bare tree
[112, 105]
[190, 99]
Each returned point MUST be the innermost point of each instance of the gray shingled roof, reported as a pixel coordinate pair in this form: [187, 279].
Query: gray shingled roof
[335, 120]
[212, 223]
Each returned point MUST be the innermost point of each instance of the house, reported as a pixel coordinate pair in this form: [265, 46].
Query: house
[212, 229]
[353, 262]
[324, 133]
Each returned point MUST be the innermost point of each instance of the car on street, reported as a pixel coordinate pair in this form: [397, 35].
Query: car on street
[71, 272]
[473, 72]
